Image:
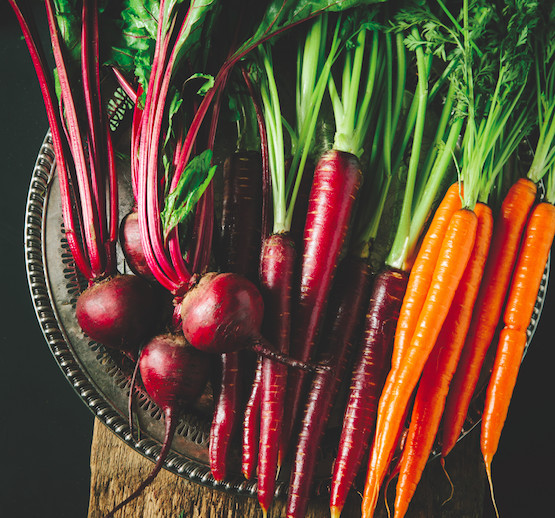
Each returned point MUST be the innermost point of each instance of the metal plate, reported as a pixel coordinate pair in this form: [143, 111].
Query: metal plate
[101, 378]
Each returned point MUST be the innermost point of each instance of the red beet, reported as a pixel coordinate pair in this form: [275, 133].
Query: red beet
[174, 375]
[222, 313]
[120, 312]
[130, 241]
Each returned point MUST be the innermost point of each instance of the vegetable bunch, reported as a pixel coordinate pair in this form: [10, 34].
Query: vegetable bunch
[365, 235]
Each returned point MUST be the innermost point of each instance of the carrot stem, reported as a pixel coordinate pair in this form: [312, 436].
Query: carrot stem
[398, 250]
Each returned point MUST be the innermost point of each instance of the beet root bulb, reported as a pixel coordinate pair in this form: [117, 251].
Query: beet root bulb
[130, 240]
[222, 313]
[120, 312]
[174, 374]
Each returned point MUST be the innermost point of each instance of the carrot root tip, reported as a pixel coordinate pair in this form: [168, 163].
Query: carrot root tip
[369, 505]
[490, 482]
[452, 492]
[387, 508]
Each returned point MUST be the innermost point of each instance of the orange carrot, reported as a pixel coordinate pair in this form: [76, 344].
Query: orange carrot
[501, 259]
[420, 280]
[401, 381]
[521, 301]
[434, 383]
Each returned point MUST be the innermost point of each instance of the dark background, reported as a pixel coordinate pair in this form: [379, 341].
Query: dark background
[45, 428]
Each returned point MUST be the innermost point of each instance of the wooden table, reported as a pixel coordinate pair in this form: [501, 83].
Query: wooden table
[116, 470]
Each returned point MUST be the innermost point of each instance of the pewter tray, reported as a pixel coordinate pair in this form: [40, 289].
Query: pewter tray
[101, 379]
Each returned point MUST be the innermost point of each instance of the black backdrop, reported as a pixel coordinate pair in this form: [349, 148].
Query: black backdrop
[45, 428]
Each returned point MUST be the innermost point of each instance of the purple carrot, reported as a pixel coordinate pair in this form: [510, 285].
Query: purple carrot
[337, 178]
[251, 426]
[226, 409]
[239, 250]
[241, 214]
[348, 298]
[368, 377]
[251, 419]
[276, 279]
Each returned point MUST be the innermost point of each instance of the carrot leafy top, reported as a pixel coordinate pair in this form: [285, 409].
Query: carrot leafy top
[433, 124]
[352, 101]
[544, 68]
[487, 55]
[415, 129]
[315, 57]
[492, 87]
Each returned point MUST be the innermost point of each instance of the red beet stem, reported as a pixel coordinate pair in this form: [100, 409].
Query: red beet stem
[91, 224]
[92, 246]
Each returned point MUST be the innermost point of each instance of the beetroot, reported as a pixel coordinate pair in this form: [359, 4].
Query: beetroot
[130, 241]
[174, 375]
[120, 312]
[222, 313]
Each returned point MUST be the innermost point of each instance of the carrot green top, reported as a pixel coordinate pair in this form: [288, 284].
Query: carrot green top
[544, 68]
[498, 121]
[313, 70]
[427, 175]
[430, 137]
[351, 107]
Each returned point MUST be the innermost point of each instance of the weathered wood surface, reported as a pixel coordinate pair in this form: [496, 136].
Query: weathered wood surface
[116, 470]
